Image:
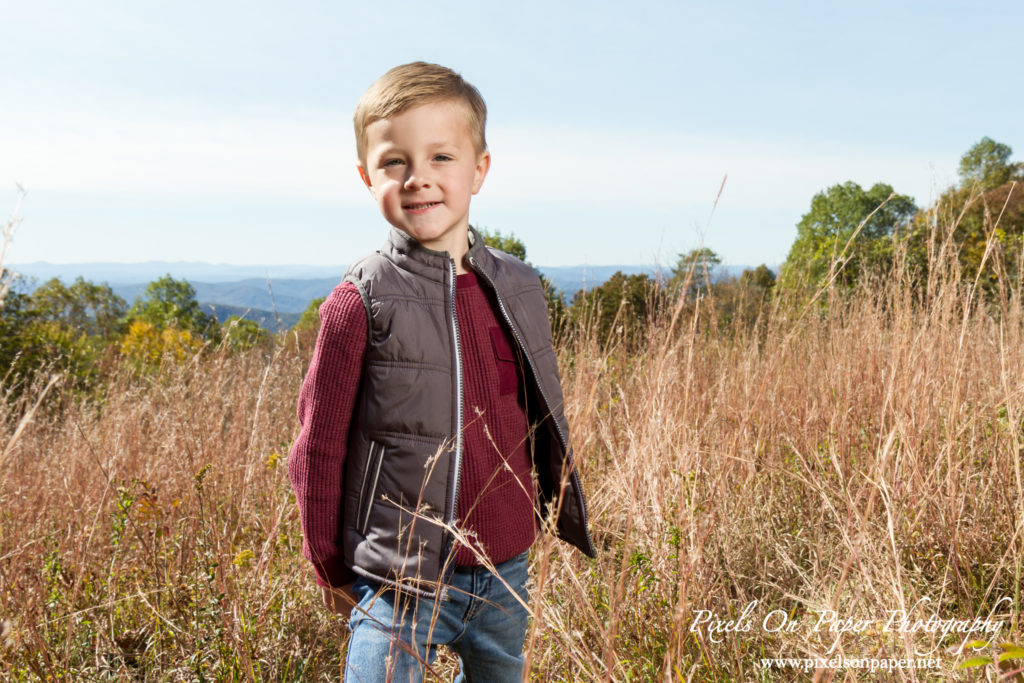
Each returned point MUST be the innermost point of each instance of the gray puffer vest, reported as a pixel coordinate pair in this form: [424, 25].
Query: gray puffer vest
[405, 443]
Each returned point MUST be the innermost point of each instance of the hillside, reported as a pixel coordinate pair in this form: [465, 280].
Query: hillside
[266, 319]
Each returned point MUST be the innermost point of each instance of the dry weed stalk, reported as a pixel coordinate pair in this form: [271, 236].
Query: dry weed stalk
[6, 276]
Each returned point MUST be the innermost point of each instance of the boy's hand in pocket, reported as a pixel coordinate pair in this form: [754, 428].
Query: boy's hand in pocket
[339, 599]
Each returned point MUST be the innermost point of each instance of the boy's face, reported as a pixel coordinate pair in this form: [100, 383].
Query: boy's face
[422, 169]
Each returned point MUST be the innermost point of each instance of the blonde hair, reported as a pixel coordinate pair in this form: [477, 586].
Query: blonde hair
[411, 85]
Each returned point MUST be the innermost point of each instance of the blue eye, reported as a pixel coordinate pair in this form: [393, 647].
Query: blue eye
[391, 162]
[442, 157]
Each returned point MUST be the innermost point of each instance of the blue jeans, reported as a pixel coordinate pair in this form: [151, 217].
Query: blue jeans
[395, 636]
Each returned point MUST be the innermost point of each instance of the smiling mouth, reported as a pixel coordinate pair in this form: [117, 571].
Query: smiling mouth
[420, 207]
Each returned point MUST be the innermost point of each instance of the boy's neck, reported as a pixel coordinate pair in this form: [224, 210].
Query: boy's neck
[458, 253]
[457, 246]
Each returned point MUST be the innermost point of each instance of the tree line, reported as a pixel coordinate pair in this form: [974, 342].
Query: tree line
[850, 232]
[80, 328]
[848, 235]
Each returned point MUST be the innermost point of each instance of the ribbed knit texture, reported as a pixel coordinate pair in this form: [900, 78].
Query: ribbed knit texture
[496, 499]
[496, 492]
[317, 461]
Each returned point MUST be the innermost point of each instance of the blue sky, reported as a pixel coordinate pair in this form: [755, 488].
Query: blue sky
[221, 131]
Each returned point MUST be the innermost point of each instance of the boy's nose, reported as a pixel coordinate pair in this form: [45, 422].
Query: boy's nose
[416, 180]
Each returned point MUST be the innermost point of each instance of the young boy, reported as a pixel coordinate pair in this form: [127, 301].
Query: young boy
[433, 436]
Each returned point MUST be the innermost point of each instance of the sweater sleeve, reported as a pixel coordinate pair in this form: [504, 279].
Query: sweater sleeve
[316, 464]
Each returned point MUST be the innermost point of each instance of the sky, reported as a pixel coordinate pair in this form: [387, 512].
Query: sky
[221, 131]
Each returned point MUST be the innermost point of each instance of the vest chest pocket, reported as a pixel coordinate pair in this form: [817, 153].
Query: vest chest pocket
[368, 489]
[505, 359]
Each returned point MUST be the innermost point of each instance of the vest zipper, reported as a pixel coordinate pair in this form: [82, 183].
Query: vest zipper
[458, 403]
[540, 388]
[368, 493]
[362, 488]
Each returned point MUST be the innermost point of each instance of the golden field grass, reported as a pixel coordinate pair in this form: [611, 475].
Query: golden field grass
[859, 452]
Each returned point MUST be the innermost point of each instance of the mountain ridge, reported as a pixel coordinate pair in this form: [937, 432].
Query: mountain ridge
[239, 290]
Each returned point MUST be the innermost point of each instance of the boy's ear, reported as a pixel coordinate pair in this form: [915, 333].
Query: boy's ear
[483, 164]
[365, 177]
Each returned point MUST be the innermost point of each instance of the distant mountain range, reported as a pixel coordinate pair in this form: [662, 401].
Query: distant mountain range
[256, 292]
[284, 295]
[193, 271]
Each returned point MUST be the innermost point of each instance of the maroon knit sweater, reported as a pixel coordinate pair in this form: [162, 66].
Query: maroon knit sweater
[496, 493]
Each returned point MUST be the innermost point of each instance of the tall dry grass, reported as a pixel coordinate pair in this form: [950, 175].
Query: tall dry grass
[855, 453]
[6, 238]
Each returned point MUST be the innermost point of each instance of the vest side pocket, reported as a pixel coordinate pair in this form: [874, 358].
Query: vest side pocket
[369, 487]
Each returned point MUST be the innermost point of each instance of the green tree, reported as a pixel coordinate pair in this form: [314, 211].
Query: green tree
[702, 261]
[85, 307]
[987, 208]
[240, 333]
[510, 244]
[835, 216]
[621, 308]
[69, 329]
[974, 219]
[310, 318]
[997, 216]
[20, 353]
[762, 278]
[698, 266]
[170, 303]
[987, 163]
[738, 302]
